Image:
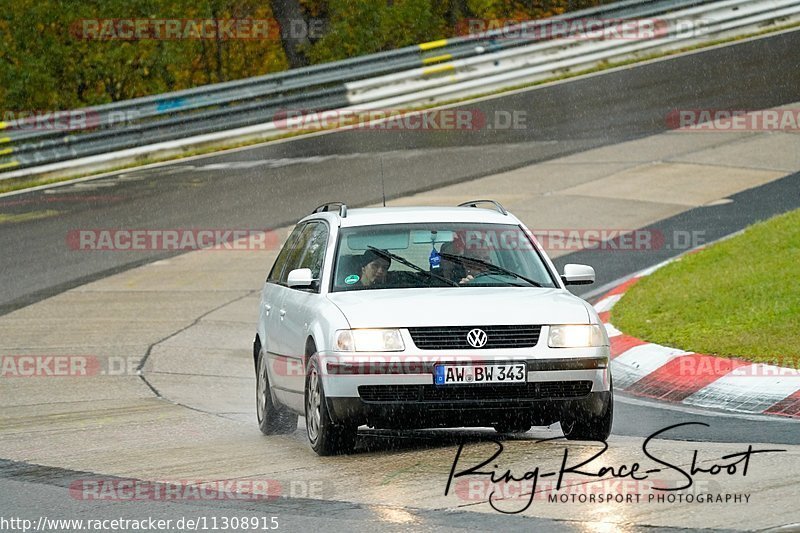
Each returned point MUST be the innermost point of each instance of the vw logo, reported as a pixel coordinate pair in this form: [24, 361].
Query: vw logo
[477, 338]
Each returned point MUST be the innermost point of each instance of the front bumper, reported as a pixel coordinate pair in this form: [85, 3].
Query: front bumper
[397, 390]
[415, 415]
[343, 374]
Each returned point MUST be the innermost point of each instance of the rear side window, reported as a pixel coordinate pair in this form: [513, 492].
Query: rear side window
[277, 268]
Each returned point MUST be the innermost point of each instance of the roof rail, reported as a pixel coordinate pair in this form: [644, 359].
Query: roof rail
[326, 207]
[474, 203]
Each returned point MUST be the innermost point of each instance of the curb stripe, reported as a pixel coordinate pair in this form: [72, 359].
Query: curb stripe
[669, 374]
[611, 331]
[747, 389]
[607, 303]
[683, 376]
[622, 343]
[789, 406]
[623, 287]
[636, 363]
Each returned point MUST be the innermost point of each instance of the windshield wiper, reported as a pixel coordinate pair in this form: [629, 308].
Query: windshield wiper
[489, 266]
[406, 262]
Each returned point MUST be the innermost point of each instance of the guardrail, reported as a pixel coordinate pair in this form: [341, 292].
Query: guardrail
[424, 74]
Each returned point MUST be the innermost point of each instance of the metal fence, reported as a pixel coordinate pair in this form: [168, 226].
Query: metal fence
[417, 75]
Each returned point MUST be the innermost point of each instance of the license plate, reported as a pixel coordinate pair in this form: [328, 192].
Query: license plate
[470, 374]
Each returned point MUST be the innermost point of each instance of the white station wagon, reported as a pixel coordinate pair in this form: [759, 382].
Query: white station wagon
[419, 317]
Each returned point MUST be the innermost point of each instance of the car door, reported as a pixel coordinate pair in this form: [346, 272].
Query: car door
[286, 361]
[301, 303]
[272, 297]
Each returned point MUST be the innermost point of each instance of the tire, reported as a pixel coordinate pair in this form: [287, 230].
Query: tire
[273, 419]
[591, 419]
[325, 436]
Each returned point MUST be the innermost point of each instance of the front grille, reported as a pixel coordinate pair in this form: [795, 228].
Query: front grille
[455, 337]
[459, 393]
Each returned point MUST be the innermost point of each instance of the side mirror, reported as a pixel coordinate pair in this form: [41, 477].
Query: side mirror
[577, 275]
[300, 278]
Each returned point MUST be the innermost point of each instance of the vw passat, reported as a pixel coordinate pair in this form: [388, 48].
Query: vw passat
[421, 317]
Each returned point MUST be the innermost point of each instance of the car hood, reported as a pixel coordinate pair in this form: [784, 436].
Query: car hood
[451, 306]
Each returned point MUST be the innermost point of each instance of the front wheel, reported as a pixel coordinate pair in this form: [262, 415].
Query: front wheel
[272, 419]
[590, 419]
[326, 436]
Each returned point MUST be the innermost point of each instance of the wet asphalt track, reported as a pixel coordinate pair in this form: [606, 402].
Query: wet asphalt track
[291, 178]
[300, 174]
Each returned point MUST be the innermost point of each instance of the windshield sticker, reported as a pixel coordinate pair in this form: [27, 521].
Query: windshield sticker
[352, 278]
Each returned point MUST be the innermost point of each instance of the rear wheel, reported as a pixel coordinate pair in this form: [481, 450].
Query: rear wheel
[273, 419]
[326, 436]
[591, 419]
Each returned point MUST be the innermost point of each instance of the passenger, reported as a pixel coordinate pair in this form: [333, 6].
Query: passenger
[373, 270]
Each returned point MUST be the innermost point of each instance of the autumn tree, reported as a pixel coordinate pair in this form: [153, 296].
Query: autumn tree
[46, 61]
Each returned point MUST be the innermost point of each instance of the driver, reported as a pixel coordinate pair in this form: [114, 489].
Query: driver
[473, 270]
[451, 269]
[463, 271]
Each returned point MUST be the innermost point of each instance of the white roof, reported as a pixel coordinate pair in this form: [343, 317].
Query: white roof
[370, 216]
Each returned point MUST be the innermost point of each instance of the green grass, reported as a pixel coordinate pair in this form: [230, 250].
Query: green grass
[740, 297]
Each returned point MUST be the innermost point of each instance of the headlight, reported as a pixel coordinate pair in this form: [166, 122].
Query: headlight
[369, 340]
[576, 336]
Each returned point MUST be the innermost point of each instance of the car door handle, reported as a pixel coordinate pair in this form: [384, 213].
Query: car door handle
[267, 308]
[283, 313]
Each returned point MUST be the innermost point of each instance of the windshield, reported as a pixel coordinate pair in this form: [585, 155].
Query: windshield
[396, 256]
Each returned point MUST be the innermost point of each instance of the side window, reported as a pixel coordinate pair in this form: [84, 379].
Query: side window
[314, 254]
[277, 268]
[309, 251]
[295, 254]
